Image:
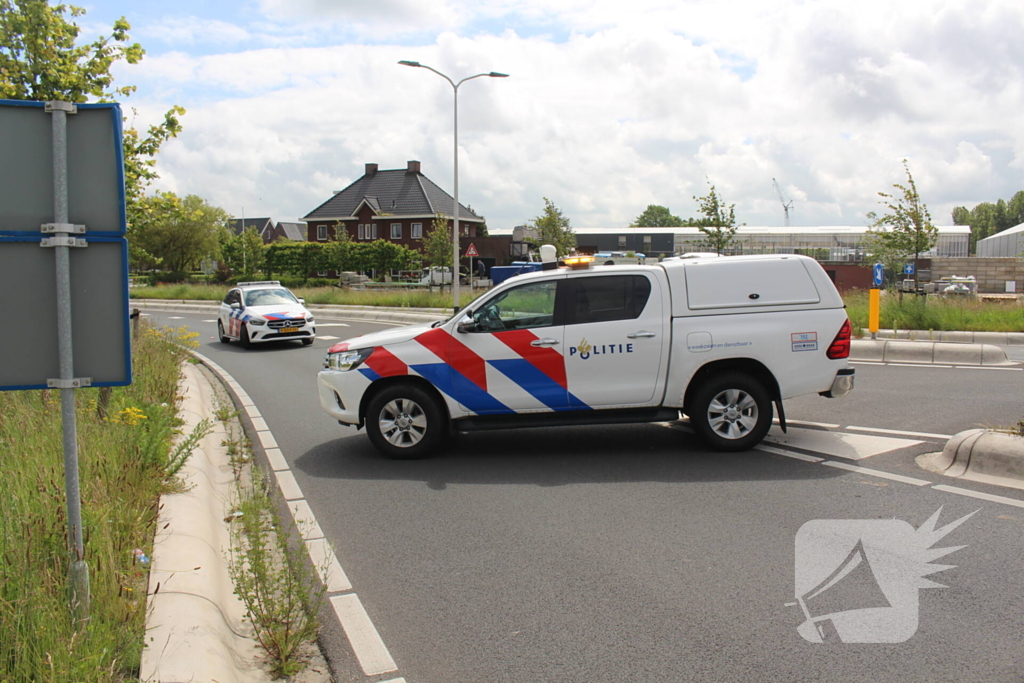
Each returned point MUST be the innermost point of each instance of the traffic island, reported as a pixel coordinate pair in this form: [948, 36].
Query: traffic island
[928, 352]
[982, 455]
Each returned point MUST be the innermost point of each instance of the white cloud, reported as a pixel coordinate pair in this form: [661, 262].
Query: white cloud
[616, 111]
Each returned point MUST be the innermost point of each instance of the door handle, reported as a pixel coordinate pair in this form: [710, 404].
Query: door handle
[547, 341]
[642, 334]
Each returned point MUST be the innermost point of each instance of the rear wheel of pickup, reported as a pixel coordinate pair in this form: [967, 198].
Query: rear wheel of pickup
[405, 421]
[731, 411]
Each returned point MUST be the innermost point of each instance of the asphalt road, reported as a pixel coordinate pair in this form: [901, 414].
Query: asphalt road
[631, 553]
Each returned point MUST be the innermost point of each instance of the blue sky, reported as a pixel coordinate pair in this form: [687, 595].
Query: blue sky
[609, 106]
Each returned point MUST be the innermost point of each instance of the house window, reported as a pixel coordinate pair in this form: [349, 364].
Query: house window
[321, 233]
[321, 273]
[361, 234]
[396, 231]
[417, 231]
[371, 232]
[647, 244]
[622, 241]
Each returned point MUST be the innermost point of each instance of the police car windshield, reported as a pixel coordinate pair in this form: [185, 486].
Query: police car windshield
[269, 297]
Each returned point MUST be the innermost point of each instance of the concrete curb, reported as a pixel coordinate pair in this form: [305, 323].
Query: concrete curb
[998, 338]
[196, 628]
[927, 352]
[980, 455]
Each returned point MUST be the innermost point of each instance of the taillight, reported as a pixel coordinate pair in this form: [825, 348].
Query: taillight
[840, 347]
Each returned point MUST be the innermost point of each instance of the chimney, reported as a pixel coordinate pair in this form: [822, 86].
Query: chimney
[371, 170]
[414, 167]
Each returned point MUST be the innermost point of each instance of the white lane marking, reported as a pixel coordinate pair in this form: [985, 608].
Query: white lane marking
[175, 317]
[210, 321]
[327, 565]
[289, 487]
[333, 325]
[366, 642]
[325, 337]
[305, 520]
[402, 680]
[866, 362]
[978, 494]
[876, 473]
[277, 461]
[927, 435]
[267, 439]
[826, 425]
[789, 454]
[837, 444]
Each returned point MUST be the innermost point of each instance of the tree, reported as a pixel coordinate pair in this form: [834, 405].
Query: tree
[340, 250]
[384, 256]
[179, 233]
[245, 254]
[553, 228]
[905, 229]
[40, 59]
[655, 216]
[719, 223]
[437, 244]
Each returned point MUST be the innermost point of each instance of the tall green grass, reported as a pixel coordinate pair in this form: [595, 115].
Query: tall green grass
[123, 461]
[936, 313]
[399, 298]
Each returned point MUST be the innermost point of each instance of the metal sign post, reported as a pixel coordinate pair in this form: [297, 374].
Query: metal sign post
[78, 572]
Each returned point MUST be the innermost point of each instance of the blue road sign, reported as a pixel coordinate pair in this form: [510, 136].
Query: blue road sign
[908, 269]
[879, 270]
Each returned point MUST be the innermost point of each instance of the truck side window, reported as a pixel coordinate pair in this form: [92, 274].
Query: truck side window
[607, 297]
[531, 305]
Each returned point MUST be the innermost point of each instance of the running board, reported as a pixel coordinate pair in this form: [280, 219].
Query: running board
[564, 419]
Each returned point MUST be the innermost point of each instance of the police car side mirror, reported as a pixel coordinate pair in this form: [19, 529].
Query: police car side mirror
[302, 302]
[467, 326]
[235, 305]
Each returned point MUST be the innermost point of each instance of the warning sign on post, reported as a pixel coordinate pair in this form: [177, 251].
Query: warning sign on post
[472, 251]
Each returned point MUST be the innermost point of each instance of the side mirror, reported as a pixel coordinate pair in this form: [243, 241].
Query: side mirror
[235, 305]
[467, 326]
[302, 301]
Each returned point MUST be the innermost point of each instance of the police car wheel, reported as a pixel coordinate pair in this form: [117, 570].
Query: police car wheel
[731, 412]
[243, 336]
[404, 421]
[224, 339]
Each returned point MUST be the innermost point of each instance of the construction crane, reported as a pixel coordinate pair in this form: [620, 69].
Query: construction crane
[786, 205]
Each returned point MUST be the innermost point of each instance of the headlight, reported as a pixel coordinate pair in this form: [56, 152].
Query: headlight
[347, 360]
[254, 321]
[310, 318]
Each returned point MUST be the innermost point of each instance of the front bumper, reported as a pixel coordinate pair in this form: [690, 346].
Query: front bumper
[263, 333]
[341, 393]
[841, 385]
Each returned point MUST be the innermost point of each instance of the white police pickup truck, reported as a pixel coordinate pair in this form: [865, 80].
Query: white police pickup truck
[718, 339]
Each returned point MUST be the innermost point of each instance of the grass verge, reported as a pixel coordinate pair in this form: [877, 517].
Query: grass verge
[126, 461]
[936, 313]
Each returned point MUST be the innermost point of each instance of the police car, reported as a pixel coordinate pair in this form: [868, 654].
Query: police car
[256, 312]
[719, 339]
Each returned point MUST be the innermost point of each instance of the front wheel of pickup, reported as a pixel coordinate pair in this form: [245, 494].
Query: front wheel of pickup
[405, 421]
[731, 412]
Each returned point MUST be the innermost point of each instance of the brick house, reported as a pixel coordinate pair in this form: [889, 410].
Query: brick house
[396, 205]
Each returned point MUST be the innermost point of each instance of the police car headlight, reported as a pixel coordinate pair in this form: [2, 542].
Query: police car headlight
[310, 318]
[256, 322]
[347, 360]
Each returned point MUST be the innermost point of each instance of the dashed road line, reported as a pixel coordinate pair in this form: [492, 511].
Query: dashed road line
[978, 494]
[789, 454]
[370, 650]
[899, 432]
[877, 473]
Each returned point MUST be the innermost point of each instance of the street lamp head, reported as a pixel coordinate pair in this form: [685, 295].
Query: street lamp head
[495, 74]
[406, 62]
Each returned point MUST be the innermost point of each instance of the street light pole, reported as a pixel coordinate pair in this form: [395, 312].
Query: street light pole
[455, 210]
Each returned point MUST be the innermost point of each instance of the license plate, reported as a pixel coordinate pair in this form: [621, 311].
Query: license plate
[287, 330]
